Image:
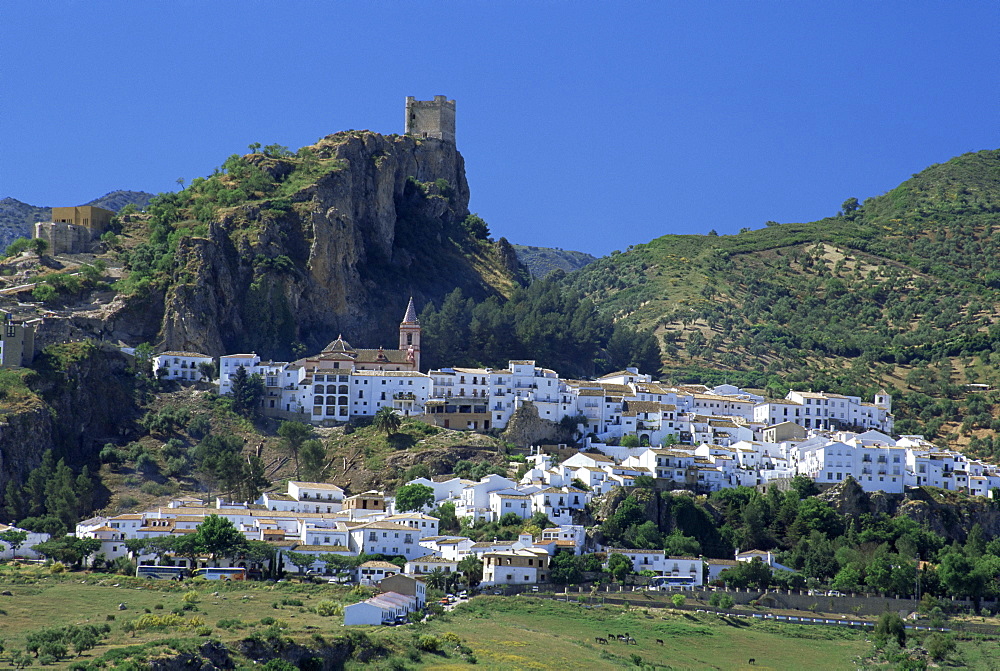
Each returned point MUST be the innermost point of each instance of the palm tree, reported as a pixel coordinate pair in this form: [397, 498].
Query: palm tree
[387, 420]
[437, 579]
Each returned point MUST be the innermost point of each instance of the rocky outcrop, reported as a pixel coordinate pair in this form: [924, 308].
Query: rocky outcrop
[25, 434]
[526, 428]
[342, 254]
[949, 514]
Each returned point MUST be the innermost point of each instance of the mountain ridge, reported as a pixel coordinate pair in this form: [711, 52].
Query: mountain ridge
[17, 217]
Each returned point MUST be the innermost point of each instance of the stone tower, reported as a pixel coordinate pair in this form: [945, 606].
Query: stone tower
[409, 335]
[431, 118]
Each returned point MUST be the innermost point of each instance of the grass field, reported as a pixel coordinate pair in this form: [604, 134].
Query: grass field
[499, 632]
[525, 633]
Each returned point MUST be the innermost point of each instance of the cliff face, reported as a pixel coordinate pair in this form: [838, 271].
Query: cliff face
[949, 514]
[342, 254]
[24, 436]
[86, 398]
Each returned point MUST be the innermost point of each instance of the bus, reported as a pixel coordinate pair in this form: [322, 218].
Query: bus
[672, 582]
[161, 572]
[229, 573]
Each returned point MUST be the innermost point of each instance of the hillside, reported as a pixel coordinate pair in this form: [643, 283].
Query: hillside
[543, 260]
[900, 290]
[16, 218]
[278, 252]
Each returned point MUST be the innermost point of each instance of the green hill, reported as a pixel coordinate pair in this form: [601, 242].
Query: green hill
[900, 290]
[543, 260]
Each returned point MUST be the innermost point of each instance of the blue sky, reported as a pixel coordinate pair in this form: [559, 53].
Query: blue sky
[584, 125]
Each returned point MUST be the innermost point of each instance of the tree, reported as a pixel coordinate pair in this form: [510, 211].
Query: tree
[247, 392]
[963, 576]
[219, 538]
[414, 496]
[619, 566]
[253, 147]
[754, 573]
[387, 420]
[677, 600]
[890, 626]
[14, 538]
[566, 568]
[38, 246]
[471, 568]
[447, 519]
[301, 560]
[69, 549]
[207, 370]
[436, 579]
[849, 207]
[313, 456]
[293, 434]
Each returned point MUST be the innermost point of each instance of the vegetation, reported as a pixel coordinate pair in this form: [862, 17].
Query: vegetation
[544, 322]
[895, 292]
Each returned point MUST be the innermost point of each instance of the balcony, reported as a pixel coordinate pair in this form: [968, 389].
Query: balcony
[404, 396]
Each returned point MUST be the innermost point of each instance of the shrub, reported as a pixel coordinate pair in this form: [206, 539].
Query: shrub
[429, 643]
[450, 638]
[190, 597]
[329, 608]
[677, 600]
[204, 631]
[939, 646]
[267, 621]
[57, 567]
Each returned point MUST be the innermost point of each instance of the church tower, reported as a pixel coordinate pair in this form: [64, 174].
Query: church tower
[409, 336]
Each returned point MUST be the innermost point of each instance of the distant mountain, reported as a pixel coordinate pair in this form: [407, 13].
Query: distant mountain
[16, 218]
[116, 200]
[543, 260]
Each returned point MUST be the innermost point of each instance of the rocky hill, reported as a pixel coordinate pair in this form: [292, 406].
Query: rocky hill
[16, 218]
[278, 251]
[543, 260]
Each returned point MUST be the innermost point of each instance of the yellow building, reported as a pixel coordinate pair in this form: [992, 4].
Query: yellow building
[97, 219]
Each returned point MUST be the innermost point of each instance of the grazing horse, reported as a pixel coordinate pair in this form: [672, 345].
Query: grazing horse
[602, 641]
[659, 641]
[752, 661]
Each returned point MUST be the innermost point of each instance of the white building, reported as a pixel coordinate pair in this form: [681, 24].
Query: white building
[185, 366]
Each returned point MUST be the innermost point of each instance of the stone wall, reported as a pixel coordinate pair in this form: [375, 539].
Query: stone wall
[64, 238]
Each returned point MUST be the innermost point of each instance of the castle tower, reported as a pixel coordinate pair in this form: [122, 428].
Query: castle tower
[409, 335]
[431, 118]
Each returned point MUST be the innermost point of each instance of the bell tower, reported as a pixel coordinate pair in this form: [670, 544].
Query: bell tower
[409, 336]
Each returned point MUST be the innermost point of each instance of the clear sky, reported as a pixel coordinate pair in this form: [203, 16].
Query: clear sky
[584, 125]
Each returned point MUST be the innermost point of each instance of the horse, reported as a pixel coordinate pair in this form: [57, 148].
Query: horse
[602, 641]
[752, 661]
[659, 641]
